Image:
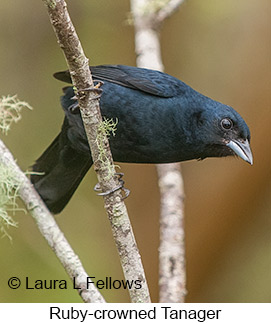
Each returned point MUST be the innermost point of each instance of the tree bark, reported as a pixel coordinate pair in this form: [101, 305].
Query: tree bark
[103, 163]
[148, 16]
[50, 230]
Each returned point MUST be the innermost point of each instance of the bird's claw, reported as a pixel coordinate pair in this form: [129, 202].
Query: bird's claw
[96, 89]
[74, 108]
[97, 188]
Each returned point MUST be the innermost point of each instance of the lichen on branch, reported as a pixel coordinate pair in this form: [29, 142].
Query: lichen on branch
[107, 127]
[10, 111]
[8, 194]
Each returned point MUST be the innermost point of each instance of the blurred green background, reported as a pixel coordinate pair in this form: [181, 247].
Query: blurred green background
[220, 48]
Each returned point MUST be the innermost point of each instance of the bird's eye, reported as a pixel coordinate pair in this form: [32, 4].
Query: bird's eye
[226, 123]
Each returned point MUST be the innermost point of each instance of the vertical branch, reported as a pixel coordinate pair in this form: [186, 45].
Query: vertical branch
[92, 119]
[172, 247]
[148, 16]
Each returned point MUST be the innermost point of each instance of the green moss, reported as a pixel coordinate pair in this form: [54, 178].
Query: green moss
[50, 3]
[9, 187]
[106, 128]
[10, 111]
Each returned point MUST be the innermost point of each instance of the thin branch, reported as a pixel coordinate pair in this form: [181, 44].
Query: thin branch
[172, 248]
[171, 252]
[50, 230]
[91, 115]
[167, 10]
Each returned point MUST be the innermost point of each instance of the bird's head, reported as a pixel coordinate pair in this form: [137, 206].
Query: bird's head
[224, 132]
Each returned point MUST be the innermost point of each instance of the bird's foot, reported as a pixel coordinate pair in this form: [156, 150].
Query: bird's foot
[97, 188]
[96, 89]
[74, 108]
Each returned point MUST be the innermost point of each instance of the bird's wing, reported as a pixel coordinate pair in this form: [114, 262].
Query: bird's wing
[149, 81]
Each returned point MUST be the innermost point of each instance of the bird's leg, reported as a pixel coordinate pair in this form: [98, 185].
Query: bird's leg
[126, 191]
[74, 108]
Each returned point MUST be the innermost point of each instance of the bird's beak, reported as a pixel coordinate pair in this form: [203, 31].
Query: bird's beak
[241, 149]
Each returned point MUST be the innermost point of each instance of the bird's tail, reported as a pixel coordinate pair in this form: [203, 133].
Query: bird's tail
[59, 171]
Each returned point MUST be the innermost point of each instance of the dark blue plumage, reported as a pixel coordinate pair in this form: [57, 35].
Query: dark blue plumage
[160, 120]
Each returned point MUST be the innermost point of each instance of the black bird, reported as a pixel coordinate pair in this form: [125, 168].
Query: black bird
[160, 120]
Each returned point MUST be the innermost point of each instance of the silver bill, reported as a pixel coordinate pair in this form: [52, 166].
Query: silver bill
[241, 149]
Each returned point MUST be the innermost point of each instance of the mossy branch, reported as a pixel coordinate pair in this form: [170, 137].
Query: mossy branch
[48, 227]
[8, 195]
[92, 119]
[106, 128]
[13, 184]
[10, 112]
